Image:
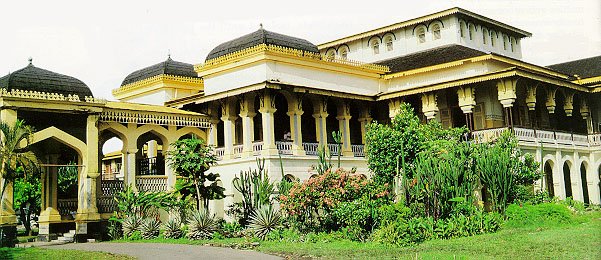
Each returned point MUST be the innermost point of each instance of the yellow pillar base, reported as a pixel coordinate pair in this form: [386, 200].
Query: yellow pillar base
[270, 151]
[87, 216]
[8, 220]
[348, 153]
[50, 215]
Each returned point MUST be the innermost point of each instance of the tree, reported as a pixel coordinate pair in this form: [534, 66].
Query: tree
[28, 194]
[191, 158]
[16, 161]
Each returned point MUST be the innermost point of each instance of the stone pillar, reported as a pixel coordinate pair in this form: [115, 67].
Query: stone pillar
[320, 114]
[467, 102]
[364, 119]
[229, 130]
[507, 95]
[49, 208]
[344, 117]
[429, 105]
[212, 136]
[296, 130]
[86, 201]
[129, 167]
[247, 113]
[394, 107]
[585, 113]
[8, 219]
[267, 109]
[550, 103]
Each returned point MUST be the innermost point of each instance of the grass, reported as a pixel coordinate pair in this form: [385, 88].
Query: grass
[59, 254]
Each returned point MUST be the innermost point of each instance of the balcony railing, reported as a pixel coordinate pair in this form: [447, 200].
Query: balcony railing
[151, 166]
[310, 148]
[238, 150]
[527, 135]
[67, 207]
[219, 152]
[257, 147]
[284, 147]
[358, 150]
[151, 183]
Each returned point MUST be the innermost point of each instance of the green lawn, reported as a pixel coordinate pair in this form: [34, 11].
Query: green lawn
[49, 254]
[578, 241]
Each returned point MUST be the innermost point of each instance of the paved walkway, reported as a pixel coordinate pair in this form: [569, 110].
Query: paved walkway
[145, 251]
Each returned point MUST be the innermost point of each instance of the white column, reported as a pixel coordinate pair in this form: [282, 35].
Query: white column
[86, 207]
[229, 135]
[344, 118]
[129, 166]
[267, 110]
[248, 131]
[296, 131]
[212, 136]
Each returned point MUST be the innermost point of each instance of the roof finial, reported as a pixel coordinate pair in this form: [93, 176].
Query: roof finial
[168, 54]
[261, 26]
[30, 60]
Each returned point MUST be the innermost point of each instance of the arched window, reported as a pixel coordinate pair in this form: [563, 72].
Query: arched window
[471, 32]
[505, 40]
[436, 32]
[344, 53]
[421, 35]
[511, 41]
[330, 55]
[388, 42]
[567, 181]
[375, 46]
[493, 37]
[462, 29]
[484, 35]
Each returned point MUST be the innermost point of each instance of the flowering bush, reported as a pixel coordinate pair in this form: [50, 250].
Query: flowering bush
[311, 204]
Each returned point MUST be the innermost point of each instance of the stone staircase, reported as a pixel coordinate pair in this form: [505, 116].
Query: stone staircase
[68, 237]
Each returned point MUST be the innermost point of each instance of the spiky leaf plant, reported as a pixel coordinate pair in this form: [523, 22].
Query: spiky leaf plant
[264, 220]
[173, 228]
[130, 225]
[150, 228]
[201, 225]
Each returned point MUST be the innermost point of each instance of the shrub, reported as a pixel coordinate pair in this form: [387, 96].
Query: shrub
[256, 190]
[130, 225]
[173, 228]
[201, 225]
[231, 229]
[264, 220]
[395, 212]
[150, 228]
[527, 215]
[285, 235]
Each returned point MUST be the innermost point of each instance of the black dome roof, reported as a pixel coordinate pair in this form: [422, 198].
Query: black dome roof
[32, 78]
[168, 67]
[261, 36]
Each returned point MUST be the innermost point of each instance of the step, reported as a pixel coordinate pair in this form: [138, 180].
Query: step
[69, 235]
[66, 239]
[72, 231]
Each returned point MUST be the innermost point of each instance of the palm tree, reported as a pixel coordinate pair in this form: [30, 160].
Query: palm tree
[16, 161]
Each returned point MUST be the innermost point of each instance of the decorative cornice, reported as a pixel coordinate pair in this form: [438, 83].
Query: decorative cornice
[25, 94]
[152, 80]
[272, 49]
[142, 117]
[588, 80]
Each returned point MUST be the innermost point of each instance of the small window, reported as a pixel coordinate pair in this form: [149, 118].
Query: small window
[471, 32]
[344, 54]
[493, 37]
[388, 41]
[436, 32]
[375, 46]
[505, 40]
[421, 35]
[484, 36]
[330, 55]
[462, 29]
[511, 41]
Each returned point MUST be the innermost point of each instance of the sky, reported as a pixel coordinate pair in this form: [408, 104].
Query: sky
[100, 43]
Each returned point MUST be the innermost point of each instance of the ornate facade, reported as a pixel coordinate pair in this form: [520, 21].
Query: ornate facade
[279, 97]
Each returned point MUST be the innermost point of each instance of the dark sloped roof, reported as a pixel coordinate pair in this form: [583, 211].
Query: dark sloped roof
[261, 36]
[168, 67]
[32, 78]
[443, 54]
[584, 68]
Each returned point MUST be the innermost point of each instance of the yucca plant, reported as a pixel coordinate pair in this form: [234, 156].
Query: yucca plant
[150, 228]
[130, 225]
[201, 225]
[264, 220]
[173, 228]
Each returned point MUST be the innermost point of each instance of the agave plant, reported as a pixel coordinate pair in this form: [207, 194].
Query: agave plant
[264, 220]
[201, 225]
[150, 228]
[131, 224]
[173, 228]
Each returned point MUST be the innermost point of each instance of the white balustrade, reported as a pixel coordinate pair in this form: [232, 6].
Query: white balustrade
[540, 136]
[594, 140]
[219, 152]
[238, 150]
[358, 150]
[151, 183]
[284, 147]
[333, 149]
[580, 140]
[311, 148]
[257, 147]
[563, 138]
[524, 134]
[545, 136]
[487, 135]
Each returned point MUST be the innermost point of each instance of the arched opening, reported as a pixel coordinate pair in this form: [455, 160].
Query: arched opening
[308, 122]
[257, 122]
[548, 170]
[505, 41]
[111, 156]
[436, 32]
[330, 54]
[471, 31]
[567, 181]
[484, 36]
[290, 178]
[281, 119]
[375, 46]
[493, 38]
[149, 158]
[421, 35]
[354, 124]
[584, 182]
[343, 52]
[238, 137]
[332, 124]
[462, 29]
[388, 42]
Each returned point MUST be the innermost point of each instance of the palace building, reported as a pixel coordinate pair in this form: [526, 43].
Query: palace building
[279, 97]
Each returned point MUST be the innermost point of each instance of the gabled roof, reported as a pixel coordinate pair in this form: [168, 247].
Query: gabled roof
[584, 68]
[430, 57]
[32, 78]
[422, 19]
[258, 37]
[168, 67]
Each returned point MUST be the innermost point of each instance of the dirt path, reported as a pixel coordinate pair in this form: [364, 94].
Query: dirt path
[167, 251]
